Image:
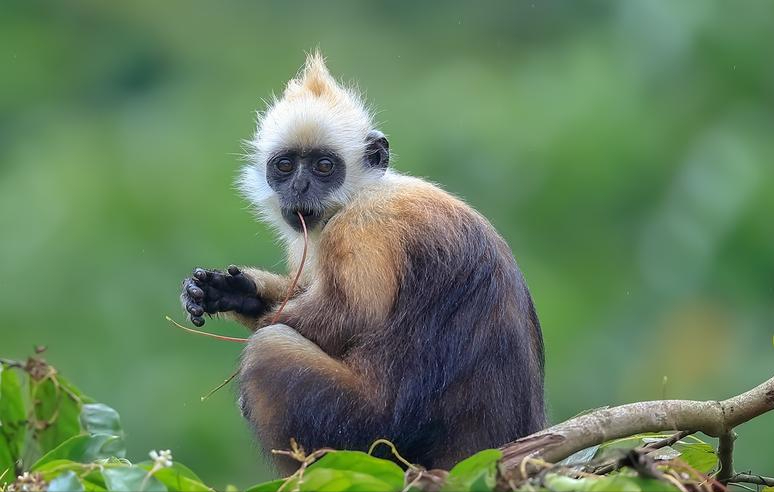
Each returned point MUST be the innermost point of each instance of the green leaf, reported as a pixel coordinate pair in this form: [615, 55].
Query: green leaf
[694, 451]
[617, 447]
[665, 453]
[357, 461]
[331, 480]
[85, 449]
[91, 478]
[94, 481]
[53, 468]
[699, 455]
[66, 482]
[272, 486]
[614, 483]
[98, 418]
[348, 471]
[475, 474]
[56, 409]
[13, 423]
[562, 483]
[131, 478]
[581, 457]
[622, 483]
[177, 477]
[177, 467]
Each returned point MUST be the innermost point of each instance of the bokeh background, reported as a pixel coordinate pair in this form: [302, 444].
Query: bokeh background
[624, 150]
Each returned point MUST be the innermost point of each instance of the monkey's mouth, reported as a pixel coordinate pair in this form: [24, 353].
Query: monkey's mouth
[312, 217]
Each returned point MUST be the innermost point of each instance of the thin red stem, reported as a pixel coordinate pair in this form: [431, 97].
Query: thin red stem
[298, 273]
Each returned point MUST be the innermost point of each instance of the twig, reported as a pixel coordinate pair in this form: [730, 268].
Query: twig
[225, 382]
[749, 478]
[674, 481]
[395, 452]
[297, 453]
[668, 441]
[205, 333]
[618, 463]
[726, 455]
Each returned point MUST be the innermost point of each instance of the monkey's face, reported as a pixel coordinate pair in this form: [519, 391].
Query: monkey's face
[314, 150]
[304, 181]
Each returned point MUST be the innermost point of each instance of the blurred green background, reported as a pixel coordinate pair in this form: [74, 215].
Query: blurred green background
[624, 150]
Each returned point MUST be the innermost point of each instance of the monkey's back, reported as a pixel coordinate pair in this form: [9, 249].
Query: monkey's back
[446, 326]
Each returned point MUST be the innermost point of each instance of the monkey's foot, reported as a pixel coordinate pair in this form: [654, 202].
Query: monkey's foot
[211, 291]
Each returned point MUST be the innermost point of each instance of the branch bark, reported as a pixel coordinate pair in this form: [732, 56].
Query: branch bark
[714, 418]
[726, 455]
[754, 479]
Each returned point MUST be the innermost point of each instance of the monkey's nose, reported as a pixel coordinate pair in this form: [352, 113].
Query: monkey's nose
[301, 186]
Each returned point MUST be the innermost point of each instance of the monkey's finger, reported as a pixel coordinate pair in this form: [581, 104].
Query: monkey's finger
[195, 292]
[197, 320]
[201, 274]
[241, 283]
[233, 270]
[190, 286]
[194, 309]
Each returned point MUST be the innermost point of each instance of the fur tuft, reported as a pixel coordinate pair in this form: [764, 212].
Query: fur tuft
[314, 79]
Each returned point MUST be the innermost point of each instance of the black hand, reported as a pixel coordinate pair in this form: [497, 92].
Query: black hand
[212, 291]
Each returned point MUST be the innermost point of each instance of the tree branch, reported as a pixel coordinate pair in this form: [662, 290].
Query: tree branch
[754, 479]
[714, 418]
[726, 455]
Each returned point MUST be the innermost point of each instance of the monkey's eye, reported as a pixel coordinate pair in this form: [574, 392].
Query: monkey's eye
[284, 165]
[324, 166]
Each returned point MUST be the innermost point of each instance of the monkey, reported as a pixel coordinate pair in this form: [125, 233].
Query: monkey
[411, 320]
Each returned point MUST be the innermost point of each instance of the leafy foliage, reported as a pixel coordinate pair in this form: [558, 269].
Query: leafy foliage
[475, 474]
[52, 434]
[70, 441]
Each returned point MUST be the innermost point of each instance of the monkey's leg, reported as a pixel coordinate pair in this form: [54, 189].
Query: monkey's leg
[290, 388]
[245, 294]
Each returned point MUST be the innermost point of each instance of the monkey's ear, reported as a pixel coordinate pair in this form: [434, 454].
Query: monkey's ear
[377, 150]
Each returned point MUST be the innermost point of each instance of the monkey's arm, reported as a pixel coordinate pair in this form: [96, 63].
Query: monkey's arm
[272, 289]
[290, 388]
[243, 294]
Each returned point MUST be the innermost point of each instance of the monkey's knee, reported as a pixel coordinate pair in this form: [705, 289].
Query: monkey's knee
[277, 334]
[270, 362]
[280, 369]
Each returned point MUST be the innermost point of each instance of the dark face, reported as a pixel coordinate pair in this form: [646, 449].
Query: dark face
[303, 180]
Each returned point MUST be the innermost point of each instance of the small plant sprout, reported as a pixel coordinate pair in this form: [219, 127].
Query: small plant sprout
[162, 459]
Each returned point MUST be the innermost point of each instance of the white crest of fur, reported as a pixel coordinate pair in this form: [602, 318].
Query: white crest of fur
[314, 112]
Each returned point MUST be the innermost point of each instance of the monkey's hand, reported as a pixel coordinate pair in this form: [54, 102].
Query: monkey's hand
[211, 291]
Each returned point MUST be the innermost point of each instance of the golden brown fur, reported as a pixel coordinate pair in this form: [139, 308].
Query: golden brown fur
[360, 251]
[354, 288]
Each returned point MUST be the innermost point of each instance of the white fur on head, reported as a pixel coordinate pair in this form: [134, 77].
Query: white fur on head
[315, 112]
